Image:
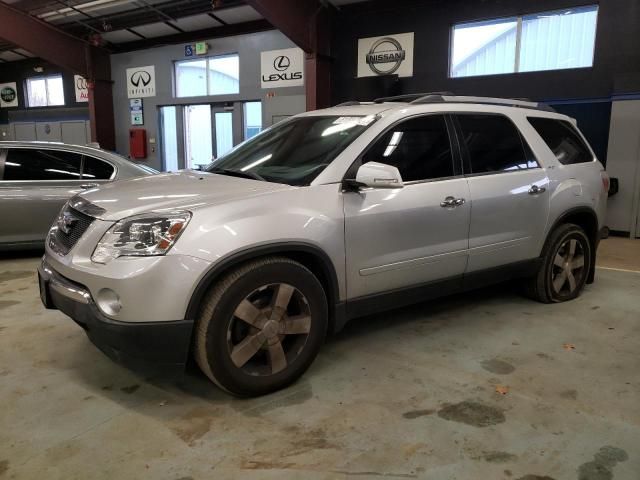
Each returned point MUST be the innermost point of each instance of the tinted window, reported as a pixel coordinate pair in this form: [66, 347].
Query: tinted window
[562, 139]
[419, 148]
[493, 143]
[96, 169]
[32, 164]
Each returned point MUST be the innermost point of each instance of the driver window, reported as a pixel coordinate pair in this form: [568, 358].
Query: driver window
[419, 148]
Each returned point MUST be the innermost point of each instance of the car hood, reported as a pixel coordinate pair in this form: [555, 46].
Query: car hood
[187, 190]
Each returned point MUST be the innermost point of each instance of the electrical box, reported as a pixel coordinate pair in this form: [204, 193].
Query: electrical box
[138, 143]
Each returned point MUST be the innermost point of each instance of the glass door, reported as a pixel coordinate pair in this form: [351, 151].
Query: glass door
[223, 120]
[169, 138]
[198, 133]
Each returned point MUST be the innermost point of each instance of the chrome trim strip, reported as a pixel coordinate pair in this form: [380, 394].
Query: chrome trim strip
[63, 286]
[414, 262]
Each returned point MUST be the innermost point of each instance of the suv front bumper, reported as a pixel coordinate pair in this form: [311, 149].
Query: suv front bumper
[140, 345]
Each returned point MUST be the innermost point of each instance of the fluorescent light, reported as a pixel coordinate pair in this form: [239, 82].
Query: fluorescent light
[256, 163]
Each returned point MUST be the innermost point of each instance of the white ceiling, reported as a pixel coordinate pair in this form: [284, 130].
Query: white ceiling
[237, 14]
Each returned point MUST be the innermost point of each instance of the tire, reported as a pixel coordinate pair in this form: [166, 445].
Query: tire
[284, 323]
[552, 282]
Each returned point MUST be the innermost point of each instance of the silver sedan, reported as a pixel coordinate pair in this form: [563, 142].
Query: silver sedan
[37, 178]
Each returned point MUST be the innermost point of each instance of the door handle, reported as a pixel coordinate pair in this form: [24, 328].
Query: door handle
[535, 189]
[452, 202]
[87, 186]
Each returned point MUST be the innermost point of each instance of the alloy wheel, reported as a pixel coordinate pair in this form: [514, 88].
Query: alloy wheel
[568, 267]
[269, 329]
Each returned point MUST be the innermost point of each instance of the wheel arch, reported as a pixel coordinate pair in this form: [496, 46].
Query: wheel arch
[311, 256]
[586, 218]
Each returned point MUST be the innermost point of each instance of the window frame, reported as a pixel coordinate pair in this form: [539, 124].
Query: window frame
[206, 79]
[113, 166]
[466, 156]
[5, 150]
[456, 156]
[518, 45]
[46, 87]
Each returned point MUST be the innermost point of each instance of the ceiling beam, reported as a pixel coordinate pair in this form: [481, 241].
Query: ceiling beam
[295, 18]
[51, 44]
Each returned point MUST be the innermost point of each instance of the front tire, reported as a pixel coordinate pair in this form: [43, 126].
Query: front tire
[565, 266]
[261, 326]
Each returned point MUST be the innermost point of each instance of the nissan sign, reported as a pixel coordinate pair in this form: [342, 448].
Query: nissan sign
[391, 54]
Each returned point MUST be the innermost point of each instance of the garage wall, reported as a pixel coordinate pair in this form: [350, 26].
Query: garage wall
[21, 70]
[248, 48]
[617, 58]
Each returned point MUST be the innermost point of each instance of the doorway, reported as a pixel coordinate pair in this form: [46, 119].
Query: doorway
[198, 141]
[191, 136]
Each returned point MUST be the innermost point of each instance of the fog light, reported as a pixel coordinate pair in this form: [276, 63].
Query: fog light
[108, 301]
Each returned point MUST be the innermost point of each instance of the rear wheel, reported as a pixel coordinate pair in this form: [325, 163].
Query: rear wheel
[565, 267]
[261, 326]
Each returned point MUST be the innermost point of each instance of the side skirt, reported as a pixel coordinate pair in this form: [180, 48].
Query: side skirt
[384, 301]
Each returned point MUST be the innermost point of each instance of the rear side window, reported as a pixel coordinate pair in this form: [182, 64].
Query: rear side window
[562, 139]
[493, 144]
[94, 169]
[33, 164]
[419, 148]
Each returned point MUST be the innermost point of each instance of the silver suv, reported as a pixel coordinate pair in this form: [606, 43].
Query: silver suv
[330, 215]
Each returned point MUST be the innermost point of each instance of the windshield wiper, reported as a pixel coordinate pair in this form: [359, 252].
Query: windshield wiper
[237, 173]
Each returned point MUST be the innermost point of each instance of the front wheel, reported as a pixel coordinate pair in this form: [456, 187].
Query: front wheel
[565, 266]
[261, 326]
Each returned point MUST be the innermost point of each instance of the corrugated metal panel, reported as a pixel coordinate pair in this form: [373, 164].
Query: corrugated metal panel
[552, 42]
[495, 57]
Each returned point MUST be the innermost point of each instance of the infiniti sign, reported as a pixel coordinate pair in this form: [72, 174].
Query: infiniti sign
[140, 77]
[141, 82]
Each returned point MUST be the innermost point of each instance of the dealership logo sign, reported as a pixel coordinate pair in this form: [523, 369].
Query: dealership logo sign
[281, 63]
[8, 95]
[141, 82]
[140, 77]
[282, 68]
[81, 88]
[385, 56]
[391, 54]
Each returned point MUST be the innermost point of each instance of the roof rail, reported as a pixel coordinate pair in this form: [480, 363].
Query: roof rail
[348, 103]
[410, 98]
[507, 102]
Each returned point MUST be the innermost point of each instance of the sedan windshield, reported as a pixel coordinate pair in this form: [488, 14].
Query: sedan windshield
[292, 152]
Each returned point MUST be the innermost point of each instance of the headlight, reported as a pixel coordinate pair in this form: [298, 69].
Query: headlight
[142, 235]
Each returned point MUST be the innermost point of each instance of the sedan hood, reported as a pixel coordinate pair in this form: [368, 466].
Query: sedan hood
[182, 190]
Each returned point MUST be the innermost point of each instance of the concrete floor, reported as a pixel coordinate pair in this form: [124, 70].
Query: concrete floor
[482, 386]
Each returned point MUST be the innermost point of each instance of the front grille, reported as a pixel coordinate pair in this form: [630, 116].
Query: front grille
[59, 240]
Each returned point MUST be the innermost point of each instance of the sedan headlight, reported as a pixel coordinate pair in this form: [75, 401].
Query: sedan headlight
[142, 235]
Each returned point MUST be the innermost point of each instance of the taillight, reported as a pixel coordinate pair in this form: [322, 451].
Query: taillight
[605, 181]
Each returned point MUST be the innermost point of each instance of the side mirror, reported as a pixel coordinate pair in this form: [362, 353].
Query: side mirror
[378, 175]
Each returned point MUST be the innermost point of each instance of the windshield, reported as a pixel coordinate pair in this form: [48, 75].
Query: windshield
[293, 152]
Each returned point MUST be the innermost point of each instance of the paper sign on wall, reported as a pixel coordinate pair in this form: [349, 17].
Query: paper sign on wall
[8, 95]
[282, 68]
[391, 54]
[81, 88]
[141, 82]
[135, 109]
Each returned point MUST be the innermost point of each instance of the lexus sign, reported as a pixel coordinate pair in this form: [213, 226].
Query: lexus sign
[391, 54]
[141, 82]
[282, 68]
